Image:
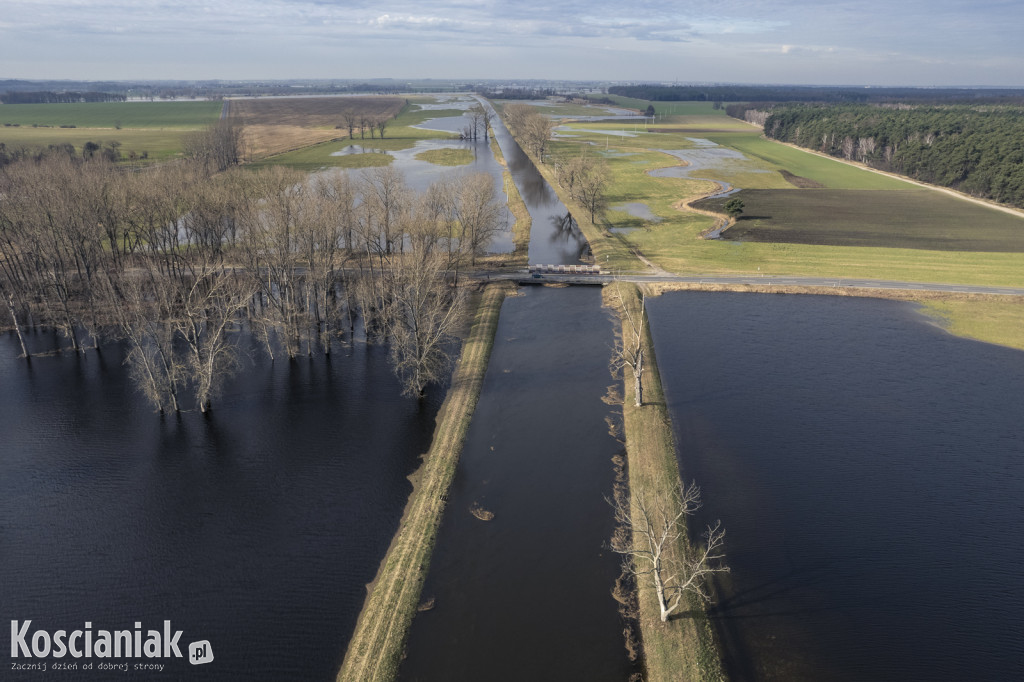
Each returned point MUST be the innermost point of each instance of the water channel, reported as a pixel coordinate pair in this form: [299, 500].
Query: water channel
[869, 469]
[553, 239]
[526, 595]
[255, 528]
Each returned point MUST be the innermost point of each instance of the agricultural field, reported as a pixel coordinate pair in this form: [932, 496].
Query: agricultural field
[282, 124]
[178, 115]
[151, 129]
[667, 232]
[909, 219]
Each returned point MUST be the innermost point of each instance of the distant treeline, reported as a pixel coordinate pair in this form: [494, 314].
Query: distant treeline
[977, 150]
[519, 93]
[51, 97]
[802, 93]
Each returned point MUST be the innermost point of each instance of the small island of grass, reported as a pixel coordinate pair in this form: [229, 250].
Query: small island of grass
[447, 156]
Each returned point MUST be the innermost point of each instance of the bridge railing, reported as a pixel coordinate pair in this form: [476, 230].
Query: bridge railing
[565, 269]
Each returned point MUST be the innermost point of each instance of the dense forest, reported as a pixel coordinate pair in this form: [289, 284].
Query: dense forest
[809, 93]
[976, 150]
[173, 261]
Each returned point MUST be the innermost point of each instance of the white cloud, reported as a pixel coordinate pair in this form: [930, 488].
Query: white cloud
[781, 40]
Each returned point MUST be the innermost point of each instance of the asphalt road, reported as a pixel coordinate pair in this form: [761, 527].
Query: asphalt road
[765, 280]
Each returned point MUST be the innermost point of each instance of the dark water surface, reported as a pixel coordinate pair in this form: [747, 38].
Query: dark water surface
[526, 595]
[255, 528]
[869, 469]
[553, 239]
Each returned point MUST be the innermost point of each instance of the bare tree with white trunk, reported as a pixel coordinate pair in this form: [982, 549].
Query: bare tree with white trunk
[649, 535]
[629, 342]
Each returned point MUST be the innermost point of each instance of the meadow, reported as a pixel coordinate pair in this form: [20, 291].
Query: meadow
[399, 134]
[151, 129]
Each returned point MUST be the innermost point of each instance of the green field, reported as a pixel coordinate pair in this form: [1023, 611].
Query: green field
[181, 115]
[908, 219]
[829, 172]
[155, 129]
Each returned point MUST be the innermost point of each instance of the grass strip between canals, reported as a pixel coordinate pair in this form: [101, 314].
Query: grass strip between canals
[375, 650]
[684, 648]
[521, 229]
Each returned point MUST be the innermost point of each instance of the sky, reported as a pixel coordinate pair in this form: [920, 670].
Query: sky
[817, 42]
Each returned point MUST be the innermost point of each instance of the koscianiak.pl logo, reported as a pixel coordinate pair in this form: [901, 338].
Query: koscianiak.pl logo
[39, 649]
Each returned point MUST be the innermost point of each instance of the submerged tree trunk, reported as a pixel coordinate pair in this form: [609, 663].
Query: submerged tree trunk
[17, 329]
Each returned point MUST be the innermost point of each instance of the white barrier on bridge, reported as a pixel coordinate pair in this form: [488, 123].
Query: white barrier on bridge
[566, 269]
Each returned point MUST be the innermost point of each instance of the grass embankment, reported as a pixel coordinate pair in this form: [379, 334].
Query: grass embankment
[683, 648]
[153, 128]
[521, 229]
[992, 321]
[375, 650]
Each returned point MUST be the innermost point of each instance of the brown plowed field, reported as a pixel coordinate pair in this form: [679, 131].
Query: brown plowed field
[280, 124]
[911, 219]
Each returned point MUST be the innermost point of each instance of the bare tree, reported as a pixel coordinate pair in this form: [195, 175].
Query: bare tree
[592, 184]
[17, 328]
[629, 342]
[423, 314]
[649, 535]
[219, 145]
[381, 123]
[531, 127]
[479, 214]
[386, 198]
[144, 318]
[476, 115]
[351, 117]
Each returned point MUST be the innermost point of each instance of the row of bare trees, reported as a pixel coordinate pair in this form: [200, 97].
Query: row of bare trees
[363, 122]
[175, 261]
[479, 123]
[586, 178]
[531, 128]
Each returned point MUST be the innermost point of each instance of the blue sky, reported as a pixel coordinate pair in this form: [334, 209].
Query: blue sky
[863, 42]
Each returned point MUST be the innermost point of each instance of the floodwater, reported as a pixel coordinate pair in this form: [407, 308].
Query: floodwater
[255, 528]
[555, 239]
[638, 209]
[420, 174]
[526, 595]
[869, 470]
[706, 155]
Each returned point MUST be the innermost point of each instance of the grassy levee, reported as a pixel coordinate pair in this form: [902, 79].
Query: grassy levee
[684, 648]
[375, 650]
[521, 229]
